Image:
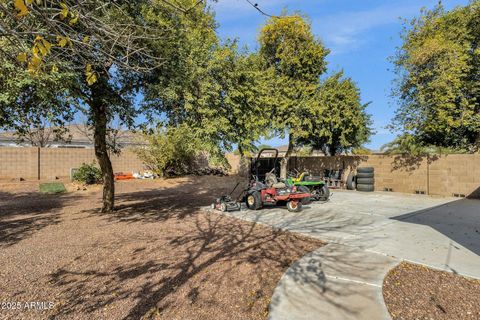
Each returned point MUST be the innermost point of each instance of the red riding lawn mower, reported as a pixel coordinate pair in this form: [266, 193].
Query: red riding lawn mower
[270, 192]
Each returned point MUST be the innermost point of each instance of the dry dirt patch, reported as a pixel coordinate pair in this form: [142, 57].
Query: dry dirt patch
[416, 292]
[158, 256]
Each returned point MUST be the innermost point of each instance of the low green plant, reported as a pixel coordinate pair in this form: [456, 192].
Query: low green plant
[54, 187]
[88, 174]
[412, 145]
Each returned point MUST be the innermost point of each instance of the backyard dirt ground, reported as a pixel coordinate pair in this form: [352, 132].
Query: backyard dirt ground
[158, 256]
[412, 291]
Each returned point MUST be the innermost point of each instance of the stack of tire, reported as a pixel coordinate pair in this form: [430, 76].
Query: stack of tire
[365, 179]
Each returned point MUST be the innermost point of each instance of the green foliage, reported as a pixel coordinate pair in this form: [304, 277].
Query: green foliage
[27, 102]
[303, 151]
[337, 120]
[361, 151]
[88, 174]
[289, 46]
[262, 146]
[217, 92]
[438, 85]
[293, 62]
[409, 144]
[114, 50]
[173, 151]
[52, 188]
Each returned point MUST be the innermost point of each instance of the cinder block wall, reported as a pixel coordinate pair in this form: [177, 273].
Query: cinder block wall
[28, 163]
[436, 175]
[18, 162]
[56, 162]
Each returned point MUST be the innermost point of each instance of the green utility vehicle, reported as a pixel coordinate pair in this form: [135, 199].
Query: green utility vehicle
[305, 182]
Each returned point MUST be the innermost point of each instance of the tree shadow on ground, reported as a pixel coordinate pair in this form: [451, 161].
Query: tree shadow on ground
[162, 204]
[316, 273]
[210, 253]
[458, 220]
[23, 214]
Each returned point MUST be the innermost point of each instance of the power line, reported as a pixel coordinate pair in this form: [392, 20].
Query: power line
[255, 5]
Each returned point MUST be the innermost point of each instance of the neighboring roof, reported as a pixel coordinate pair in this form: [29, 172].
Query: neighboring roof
[76, 134]
[283, 148]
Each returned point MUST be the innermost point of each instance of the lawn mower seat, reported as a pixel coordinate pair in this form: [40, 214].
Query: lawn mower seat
[272, 181]
[312, 178]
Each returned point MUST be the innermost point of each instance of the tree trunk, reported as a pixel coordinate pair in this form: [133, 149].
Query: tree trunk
[334, 146]
[332, 151]
[477, 144]
[100, 120]
[284, 162]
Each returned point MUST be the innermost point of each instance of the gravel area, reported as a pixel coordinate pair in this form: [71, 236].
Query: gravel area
[159, 256]
[413, 291]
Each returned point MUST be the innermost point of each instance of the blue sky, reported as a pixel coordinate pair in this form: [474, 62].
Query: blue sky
[361, 35]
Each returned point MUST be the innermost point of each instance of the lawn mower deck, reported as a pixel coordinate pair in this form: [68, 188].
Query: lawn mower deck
[270, 192]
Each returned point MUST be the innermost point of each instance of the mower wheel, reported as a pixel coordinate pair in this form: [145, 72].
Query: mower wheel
[323, 194]
[223, 207]
[294, 206]
[254, 201]
[304, 189]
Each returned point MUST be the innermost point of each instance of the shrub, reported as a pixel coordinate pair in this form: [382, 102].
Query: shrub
[88, 174]
[175, 151]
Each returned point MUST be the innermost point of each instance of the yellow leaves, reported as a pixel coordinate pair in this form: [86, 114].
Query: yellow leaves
[22, 57]
[91, 79]
[34, 64]
[86, 39]
[21, 6]
[74, 19]
[64, 12]
[63, 41]
[41, 47]
[91, 75]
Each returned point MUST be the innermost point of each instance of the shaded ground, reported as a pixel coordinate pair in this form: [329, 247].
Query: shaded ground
[413, 291]
[157, 256]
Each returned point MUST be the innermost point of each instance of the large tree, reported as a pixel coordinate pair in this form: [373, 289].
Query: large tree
[294, 59]
[337, 120]
[110, 47]
[438, 69]
[214, 88]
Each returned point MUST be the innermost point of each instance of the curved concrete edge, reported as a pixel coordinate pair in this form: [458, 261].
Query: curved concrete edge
[333, 282]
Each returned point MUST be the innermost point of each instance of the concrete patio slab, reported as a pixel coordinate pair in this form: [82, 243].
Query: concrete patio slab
[368, 233]
[330, 284]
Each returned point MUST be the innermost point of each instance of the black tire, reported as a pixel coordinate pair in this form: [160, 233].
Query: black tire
[365, 187]
[223, 207]
[323, 193]
[304, 189]
[365, 175]
[253, 201]
[365, 170]
[351, 181]
[294, 206]
[365, 180]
